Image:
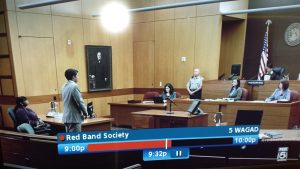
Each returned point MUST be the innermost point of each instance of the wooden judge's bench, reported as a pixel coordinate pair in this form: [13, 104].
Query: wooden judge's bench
[275, 115]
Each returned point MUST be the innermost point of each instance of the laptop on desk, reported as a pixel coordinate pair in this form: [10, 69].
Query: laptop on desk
[158, 99]
[248, 117]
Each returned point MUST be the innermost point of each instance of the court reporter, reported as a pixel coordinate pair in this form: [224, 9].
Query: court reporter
[281, 93]
[168, 92]
[235, 91]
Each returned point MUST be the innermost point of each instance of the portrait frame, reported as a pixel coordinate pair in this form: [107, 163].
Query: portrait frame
[99, 67]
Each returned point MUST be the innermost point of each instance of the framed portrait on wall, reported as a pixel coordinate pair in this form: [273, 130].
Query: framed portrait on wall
[99, 67]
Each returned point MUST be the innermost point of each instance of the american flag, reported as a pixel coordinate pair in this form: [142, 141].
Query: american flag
[264, 56]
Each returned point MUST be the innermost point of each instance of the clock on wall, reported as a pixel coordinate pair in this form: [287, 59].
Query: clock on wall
[292, 34]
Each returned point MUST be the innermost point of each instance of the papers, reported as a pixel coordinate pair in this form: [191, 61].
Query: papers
[282, 101]
[274, 101]
[229, 99]
[218, 100]
[267, 77]
[263, 136]
[273, 134]
[58, 115]
[270, 135]
[148, 102]
[258, 101]
[54, 115]
[50, 114]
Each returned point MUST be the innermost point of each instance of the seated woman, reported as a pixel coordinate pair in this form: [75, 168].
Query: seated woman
[235, 91]
[281, 93]
[168, 92]
[26, 115]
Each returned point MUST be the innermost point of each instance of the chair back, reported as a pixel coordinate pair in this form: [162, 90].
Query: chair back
[245, 94]
[149, 95]
[294, 96]
[11, 112]
[178, 95]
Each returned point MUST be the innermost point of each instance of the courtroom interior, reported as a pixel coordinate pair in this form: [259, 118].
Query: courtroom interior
[160, 64]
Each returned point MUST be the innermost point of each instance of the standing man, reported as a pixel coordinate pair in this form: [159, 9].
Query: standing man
[194, 86]
[74, 108]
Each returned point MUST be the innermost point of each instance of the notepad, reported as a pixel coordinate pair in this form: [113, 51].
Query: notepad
[274, 134]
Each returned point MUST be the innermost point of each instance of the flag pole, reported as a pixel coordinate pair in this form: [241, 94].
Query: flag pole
[264, 55]
[268, 23]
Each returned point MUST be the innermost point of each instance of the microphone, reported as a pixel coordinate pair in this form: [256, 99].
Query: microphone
[171, 100]
[178, 106]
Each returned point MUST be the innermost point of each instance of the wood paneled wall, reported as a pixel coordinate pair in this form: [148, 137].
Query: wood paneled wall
[41, 35]
[148, 52]
[194, 32]
[6, 79]
[232, 45]
[40, 53]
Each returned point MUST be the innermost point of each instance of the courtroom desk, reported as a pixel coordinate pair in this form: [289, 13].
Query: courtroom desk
[22, 150]
[208, 107]
[39, 151]
[220, 88]
[275, 115]
[264, 91]
[121, 112]
[94, 124]
[287, 135]
[160, 119]
[265, 153]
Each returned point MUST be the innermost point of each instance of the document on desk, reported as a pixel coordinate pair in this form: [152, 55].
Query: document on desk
[148, 102]
[273, 134]
[54, 115]
[217, 100]
[258, 101]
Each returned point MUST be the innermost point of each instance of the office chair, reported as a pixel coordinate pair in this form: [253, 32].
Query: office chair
[245, 94]
[279, 72]
[178, 95]
[25, 127]
[294, 96]
[11, 113]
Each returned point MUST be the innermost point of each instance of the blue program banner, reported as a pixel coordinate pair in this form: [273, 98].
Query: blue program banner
[157, 134]
[166, 154]
[245, 140]
[77, 148]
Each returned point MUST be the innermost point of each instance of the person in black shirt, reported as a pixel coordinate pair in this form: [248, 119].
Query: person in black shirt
[98, 72]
